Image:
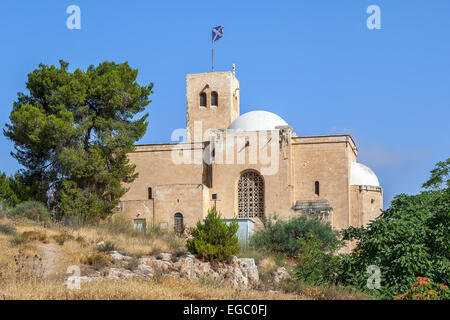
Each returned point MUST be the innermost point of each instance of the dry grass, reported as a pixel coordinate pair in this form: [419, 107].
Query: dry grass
[74, 246]
[61, 247]
[166, 289]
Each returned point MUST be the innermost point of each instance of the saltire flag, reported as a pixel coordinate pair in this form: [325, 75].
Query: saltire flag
[217, 33]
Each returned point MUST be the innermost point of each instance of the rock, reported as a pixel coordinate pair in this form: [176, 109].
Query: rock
[159, 264]
[239, 273]
[165, 256]
[186, 268]
[117, 273]
[101, 243]
[237, 279]
[118, 256]
[249, 269]
[280, 274]
[145, 269]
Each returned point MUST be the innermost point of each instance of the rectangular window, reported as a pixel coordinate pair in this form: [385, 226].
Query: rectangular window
[140, 225]
[150, 195]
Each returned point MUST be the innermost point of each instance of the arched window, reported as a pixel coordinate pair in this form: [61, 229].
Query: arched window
[316, 188]
[178, 222]
[203, 99]
[214, 99]
[250, 195]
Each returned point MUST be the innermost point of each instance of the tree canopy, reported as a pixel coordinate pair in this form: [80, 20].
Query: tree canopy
[72, 133]
[408, 240]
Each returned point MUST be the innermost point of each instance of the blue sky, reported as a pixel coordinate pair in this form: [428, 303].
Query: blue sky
[315, 63]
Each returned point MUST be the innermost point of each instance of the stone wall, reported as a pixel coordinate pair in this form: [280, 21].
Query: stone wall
[277, 189]
[155, 166]
[220, 117]
[367, 203]
[324, 159]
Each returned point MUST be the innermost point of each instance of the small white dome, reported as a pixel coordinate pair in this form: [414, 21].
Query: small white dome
[257, 121]
[362, 175]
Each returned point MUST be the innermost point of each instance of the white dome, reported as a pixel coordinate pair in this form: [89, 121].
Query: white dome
[362, 175]
[257, 121]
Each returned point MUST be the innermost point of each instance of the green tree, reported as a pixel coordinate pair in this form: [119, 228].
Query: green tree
[72, 133]
[214, 239]
[408, 240]
[7, 195]
[315, 264]
[439, 176]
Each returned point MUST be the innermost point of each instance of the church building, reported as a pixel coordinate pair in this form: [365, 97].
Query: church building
[248, 166]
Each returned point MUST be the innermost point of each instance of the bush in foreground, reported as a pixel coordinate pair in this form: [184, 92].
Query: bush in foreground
[282, 236]
[409, 239]
[8, 230]
[314, 264]
[32, 210]
[214, 239]
[425, 289]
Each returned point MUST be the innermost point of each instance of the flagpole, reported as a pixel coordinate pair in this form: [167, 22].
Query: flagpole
[213, 56]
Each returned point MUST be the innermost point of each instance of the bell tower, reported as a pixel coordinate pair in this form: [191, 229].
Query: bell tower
[212, 102]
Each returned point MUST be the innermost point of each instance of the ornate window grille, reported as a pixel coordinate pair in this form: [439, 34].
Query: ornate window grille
[250, 195]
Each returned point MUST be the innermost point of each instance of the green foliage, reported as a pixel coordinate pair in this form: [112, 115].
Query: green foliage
[439, 176]
[63, 237]
[282, 236]
[32, 210]
[410, 239]
[8, 230]
[7, 195]
[315, 265]
[107, 246]
[19, 239]
[72, 133]
[214, 239]
[425, 289]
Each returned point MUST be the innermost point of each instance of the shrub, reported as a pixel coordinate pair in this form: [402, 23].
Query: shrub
[107, 246]
[282, 236]
[63, 237]
[35, 235]
[214, 239]
[32, 210]
[19, 239]
[81, 240]
[28, 267]
[98, 260]
[425, 289]
[8, 230]
[409, 239]
[314, 264]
